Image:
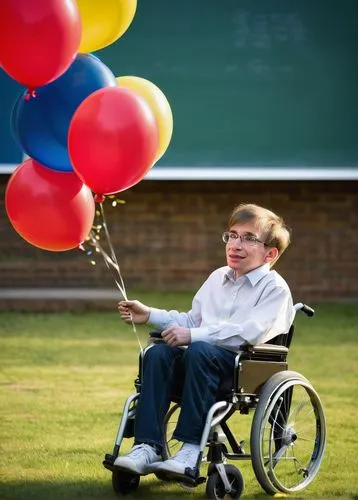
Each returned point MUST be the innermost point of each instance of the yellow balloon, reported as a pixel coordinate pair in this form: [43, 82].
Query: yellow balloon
[158, 103]
[104, 22]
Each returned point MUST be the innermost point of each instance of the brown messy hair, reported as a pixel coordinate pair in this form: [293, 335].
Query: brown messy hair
[273, 231]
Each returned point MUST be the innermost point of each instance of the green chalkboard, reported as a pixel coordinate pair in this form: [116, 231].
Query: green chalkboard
[252, 83]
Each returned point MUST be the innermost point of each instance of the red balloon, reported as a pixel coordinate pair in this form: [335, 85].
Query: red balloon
[112, 140]
[51, 210]
[38, 39]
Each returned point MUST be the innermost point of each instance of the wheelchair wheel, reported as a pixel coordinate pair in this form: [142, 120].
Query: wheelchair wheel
[171, 445]
[288, 434]
[124, 482]
[215, 488]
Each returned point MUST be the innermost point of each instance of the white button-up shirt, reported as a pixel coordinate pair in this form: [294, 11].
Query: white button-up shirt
[230, 312]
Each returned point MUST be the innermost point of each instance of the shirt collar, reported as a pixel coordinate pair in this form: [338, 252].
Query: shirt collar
[253, 276]
[257, 274]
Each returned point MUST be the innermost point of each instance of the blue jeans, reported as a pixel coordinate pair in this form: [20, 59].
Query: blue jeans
[199, 369]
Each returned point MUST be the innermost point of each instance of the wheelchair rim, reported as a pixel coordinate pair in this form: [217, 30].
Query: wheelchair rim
[292, 452]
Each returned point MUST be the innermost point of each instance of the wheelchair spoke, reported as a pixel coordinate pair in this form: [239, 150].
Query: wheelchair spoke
[281, 453]
[297, 410]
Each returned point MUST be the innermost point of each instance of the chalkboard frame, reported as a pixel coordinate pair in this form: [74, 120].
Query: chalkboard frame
[158, 173]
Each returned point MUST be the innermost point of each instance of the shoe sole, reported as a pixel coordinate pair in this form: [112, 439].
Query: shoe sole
[170, 473]
[129, 469]
[178, 477]
[133, 470]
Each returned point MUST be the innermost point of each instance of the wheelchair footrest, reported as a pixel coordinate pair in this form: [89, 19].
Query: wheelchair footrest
[108, 462]
[190, 478]
[190, 481]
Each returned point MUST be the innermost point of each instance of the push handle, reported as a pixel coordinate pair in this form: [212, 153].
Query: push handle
[308, 310]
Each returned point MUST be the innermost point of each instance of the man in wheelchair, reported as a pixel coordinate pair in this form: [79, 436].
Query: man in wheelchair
[244, 302]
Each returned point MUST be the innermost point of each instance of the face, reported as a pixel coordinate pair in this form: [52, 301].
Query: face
[243, 256]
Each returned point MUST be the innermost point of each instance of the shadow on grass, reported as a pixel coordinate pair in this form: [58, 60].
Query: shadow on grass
[92, 490]
[95, 490]
[52, 490]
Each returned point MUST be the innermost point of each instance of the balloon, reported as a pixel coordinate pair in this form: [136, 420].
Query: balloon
[38, 39]
[112, 140]
[104, 22]
[51, 210]
[41, 125]
[158, 104]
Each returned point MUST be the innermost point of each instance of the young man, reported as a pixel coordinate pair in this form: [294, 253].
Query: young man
[243, 302]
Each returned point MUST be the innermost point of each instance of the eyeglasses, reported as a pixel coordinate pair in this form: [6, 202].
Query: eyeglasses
[246, 239]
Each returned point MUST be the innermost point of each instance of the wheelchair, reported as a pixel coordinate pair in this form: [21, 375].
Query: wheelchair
[288, 430]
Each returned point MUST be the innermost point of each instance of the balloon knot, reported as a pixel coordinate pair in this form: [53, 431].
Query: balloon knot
[99, 198]
[30, 93]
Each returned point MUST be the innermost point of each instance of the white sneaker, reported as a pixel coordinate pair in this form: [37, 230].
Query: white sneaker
[139, 459]
[186, 457]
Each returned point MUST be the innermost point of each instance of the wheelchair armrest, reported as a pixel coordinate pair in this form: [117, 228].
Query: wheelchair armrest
[256, 364]
[156, 334]
[265, 349]
[155, 337]
[264, 352]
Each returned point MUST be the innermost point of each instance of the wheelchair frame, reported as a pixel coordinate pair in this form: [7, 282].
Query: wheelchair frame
[262, 383]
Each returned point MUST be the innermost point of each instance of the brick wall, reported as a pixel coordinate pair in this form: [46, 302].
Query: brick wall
[167, 237]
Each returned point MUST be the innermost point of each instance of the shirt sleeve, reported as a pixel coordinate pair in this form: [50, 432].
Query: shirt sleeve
[163, 319]
[272, 316]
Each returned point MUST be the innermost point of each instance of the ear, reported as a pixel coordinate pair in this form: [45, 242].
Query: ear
[271, 254]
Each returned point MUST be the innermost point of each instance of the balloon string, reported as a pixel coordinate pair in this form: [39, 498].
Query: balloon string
[110, 246]
[112, 262]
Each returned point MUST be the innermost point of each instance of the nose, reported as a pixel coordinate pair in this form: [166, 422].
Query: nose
[238, 242]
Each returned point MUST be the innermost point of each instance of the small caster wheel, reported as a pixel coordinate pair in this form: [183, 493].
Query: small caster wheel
[215, 488]
[124, 482]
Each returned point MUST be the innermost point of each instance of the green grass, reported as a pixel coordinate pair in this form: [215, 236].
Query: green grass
[65, 377]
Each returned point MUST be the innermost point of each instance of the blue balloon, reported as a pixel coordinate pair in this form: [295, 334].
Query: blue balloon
[40, 125]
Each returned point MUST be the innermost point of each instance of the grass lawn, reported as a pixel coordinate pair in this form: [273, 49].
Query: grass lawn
[65, 377]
